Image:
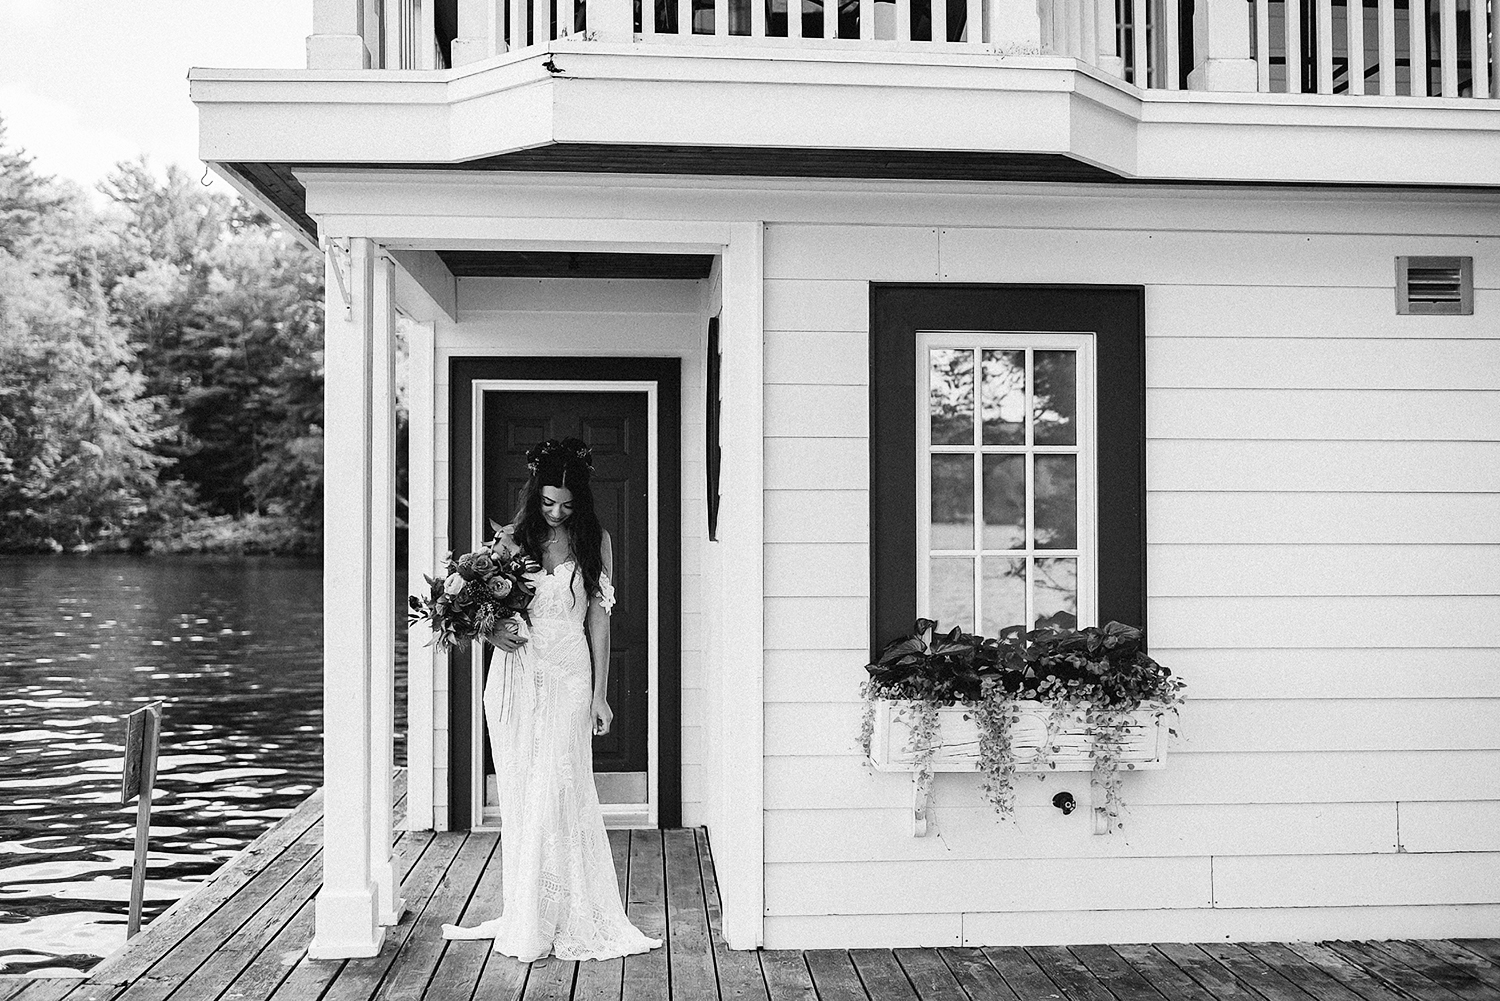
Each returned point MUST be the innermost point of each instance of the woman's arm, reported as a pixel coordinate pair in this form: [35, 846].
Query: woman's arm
[598, 630]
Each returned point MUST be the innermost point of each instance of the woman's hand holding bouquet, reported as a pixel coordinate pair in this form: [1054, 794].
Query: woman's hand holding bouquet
[480, 595]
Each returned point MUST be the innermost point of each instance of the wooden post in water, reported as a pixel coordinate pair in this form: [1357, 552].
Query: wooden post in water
[142, 728]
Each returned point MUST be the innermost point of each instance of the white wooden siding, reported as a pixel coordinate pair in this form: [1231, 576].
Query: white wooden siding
[1324, 523]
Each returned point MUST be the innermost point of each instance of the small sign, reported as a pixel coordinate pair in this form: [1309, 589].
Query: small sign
[141, 729]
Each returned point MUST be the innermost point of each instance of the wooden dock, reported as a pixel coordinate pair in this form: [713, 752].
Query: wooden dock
[243, 937]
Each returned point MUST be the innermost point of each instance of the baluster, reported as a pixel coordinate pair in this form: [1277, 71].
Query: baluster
[794, 18]
[1448, 30]
[1263, 43]
[1138, 43]
[1105, 31]
[1355, 15]
[1088, 44]
[903, 21]
[721, 18]
[1386, 34]
[1478, 58]
[939, 20]
[1046, 26]
[974, 23]
[1294, 46]
[1324, 13]
[866, 20]
[758, 18]
[1495, 54]
[684, 20]
[1173, 45]
[830, 19]
[1418, 34]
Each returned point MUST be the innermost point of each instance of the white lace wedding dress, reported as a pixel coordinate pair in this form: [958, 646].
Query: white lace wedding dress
[559, 891]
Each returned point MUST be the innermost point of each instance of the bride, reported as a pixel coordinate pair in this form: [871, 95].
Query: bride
[559, 892]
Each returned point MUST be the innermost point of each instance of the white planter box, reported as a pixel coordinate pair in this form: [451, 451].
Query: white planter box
[958, 744]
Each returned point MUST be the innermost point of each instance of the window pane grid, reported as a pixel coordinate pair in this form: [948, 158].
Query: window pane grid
[968, 367]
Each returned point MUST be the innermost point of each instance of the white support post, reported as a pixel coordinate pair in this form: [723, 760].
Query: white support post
[382, 590]
[1417, 38]
[1385, 16]
[1448, 46]
[1015, 26]
[478, 32]
[421, 559]
[346, 916]
[739, 848]
[1106, 31]
[1221, 38]
[1479, 62]
[1323, 41]
[338, 38]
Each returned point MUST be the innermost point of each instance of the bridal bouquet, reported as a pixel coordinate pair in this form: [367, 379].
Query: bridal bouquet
[478, 592]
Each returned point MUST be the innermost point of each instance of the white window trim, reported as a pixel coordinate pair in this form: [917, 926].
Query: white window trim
[1087, 449]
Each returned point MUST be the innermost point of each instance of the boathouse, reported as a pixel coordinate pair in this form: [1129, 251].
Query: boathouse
[769, 264]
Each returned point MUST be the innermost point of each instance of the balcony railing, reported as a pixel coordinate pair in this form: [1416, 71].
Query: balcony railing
[1273, 46]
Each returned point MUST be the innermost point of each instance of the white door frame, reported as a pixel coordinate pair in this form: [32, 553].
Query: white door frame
[616, 815]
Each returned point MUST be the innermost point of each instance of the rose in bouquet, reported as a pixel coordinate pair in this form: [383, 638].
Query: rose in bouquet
[478, 593]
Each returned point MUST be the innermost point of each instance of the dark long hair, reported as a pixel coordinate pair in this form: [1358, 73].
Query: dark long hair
[566, 463]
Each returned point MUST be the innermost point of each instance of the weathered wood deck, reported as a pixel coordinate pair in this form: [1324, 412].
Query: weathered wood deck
[242, 937]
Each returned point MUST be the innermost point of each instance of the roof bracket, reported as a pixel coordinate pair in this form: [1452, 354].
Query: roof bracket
[338, 254]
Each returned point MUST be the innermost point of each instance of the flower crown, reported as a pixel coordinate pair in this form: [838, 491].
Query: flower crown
[568, 450]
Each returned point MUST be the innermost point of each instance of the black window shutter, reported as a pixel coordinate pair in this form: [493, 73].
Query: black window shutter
[714, 453]
[1116, 315]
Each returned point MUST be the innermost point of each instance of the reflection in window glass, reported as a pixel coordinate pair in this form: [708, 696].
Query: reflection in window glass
[1003, 593]
[1056, 488]
[1055, 591]
[1005, 502]
[1054, 403]
[951, 395]
[952, 502]
[1003, 397]
[950, 596]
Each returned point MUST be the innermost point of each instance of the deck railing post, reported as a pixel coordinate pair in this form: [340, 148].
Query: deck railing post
[338, 38]
[1221, 42]
[1013, 25]
[346, 915]
[478, 33]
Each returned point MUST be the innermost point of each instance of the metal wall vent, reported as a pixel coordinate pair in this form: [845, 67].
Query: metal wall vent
[1442, 285]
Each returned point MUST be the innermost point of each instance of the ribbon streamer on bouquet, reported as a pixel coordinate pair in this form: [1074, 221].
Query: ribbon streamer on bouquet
[511, 668]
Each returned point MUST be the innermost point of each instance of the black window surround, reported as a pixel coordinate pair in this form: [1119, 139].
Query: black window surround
[1116, 314]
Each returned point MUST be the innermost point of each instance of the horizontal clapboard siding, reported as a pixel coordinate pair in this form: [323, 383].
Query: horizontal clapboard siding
[840, 781]
[1241, 725]
[1307, 570]
[990, 884]
[1314, 414]
[1085, 927]
[1323, 519]
[976, 832]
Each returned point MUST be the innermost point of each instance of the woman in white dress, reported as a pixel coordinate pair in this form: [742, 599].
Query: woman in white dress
[544, 698]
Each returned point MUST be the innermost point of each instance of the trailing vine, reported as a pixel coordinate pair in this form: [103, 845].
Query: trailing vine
[997, 757]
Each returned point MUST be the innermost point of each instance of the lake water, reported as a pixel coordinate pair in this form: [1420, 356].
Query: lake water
[233, 646]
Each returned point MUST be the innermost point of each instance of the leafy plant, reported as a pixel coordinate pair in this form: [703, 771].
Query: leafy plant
[1101, 672]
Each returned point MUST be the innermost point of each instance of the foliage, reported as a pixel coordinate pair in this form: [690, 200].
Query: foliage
[161, 368]
[1101, 672]
[478, 592]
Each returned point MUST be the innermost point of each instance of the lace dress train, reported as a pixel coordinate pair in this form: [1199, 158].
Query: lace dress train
[559, 890]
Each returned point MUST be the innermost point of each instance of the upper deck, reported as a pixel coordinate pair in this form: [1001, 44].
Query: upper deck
[1195, 91]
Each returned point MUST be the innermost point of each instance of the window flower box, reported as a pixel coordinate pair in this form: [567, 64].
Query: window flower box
[1070, 746]
[1052, 699]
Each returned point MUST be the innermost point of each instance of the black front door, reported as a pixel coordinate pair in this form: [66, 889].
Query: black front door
[615, 425]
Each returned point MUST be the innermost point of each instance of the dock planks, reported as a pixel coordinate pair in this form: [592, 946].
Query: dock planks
[243, 937]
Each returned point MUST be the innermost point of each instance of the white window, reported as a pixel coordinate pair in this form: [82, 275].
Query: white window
[1006, 464]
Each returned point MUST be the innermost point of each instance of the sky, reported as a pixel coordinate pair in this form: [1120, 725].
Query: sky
[87, 83]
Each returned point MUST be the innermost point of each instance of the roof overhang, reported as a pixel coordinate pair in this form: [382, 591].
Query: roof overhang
[582, 106]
